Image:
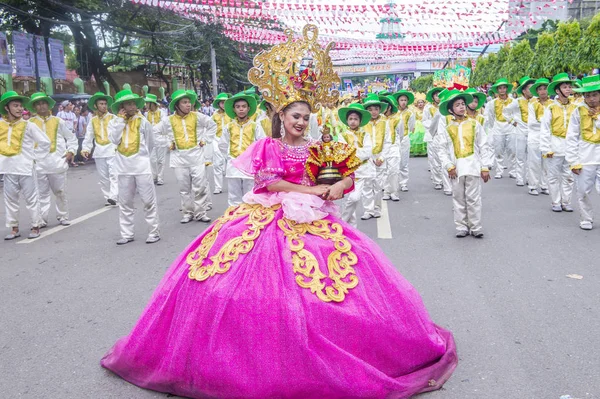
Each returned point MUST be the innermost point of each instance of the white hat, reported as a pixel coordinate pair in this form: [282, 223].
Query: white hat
[65, 103]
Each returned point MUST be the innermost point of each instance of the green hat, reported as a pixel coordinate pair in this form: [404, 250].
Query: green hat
[537, 84]
[589, 84]
[220, 97]
[252, 92]
[390, 101]
[180, 94]
[230, 102]
[578, 83]
[11, 96]
[481, 97]
[524, 81]
[365, 116]
[384, 93]
[408, 94]
[373, 99]
[558, 80]
[126, 95]
[443, 94]
[450, 97]
[263, 105]
[431, 92]
[501, 82]
[35, 97]
[151, 98]
[99, 96]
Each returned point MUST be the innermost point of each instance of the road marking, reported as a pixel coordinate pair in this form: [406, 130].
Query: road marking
[73, 222]
[384, 229]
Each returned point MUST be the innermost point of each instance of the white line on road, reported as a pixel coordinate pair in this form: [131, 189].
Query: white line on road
[384, 229]
[73, 222]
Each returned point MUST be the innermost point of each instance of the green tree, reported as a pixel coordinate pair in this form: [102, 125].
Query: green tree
[566, 42]
[422, 83]
[518, 60]
[479, 75]
[588, 50]
[540, 64]
[501, 61]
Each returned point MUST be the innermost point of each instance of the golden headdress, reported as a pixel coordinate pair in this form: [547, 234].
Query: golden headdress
[420, 96]
[299, 70]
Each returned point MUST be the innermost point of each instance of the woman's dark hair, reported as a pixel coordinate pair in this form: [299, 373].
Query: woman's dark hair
[354, 113]
[276, 121]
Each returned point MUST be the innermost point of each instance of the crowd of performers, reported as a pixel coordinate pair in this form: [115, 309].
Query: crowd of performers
[546, 138]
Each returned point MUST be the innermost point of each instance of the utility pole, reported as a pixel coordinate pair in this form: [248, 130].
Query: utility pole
[213, 67]
[35, 61]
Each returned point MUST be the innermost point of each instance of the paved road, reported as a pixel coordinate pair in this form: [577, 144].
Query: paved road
[523, 329]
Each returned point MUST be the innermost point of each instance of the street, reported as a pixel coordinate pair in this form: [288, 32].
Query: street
[523, 329]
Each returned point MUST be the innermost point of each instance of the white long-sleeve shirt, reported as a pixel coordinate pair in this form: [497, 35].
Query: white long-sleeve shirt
[430, 125]
[134, 140]
[514, 113]
[559, 115]
[104, 147]
[189, 150]
[495, 117]
[583, 138]
[18, 147]
[534, 121]
[62, 140]
[365, 152]
[467, 148]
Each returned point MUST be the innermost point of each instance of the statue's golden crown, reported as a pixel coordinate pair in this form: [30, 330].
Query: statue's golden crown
[297, 70]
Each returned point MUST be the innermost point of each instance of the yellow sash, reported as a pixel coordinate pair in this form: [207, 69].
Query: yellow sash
[524, 107]
[499, 106]
[184, 141]
[468, 128]
[236, 135]
[12, 147]
[560, 118]
[376, 129]
[130, 141]
[101, 129]
[589, 131]
[154, 117]
[222, 120]
[51, 129]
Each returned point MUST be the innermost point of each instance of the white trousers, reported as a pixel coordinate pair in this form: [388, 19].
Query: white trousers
[26, 185]
[158, 160]
[108, 177]
[392, 180]
[560, 180]
[404, 156]
[57, 183]
[504, 149]
[536, 167]
[237, 188]
[218, 161]
[193, 189]
[466, 198]
[435, 166]
[586, 181]
[519, 142]
[352, 200]
[144, 185]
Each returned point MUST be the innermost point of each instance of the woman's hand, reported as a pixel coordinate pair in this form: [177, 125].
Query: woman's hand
[336, 191]
[321, 190]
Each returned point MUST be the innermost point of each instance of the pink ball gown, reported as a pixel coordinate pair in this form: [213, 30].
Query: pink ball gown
[279, 298]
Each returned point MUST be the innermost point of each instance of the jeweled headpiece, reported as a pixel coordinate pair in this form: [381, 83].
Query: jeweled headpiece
[297, 70]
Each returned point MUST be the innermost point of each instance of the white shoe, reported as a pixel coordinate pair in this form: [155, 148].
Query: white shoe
[438, 187]
[160, 183]
[520, 184]
[386, 197]
[111, 201]
[585, 225]
[394, 198]
[217, 192]
[404, 189]
[498, 177]
[448, 193]
[533, 191]
[366, 216]
[204, 219]
[124, 241]
[152, 239]
[545, 191]
[376, 214]
[185, 219]
[65, 222]
[512, 176]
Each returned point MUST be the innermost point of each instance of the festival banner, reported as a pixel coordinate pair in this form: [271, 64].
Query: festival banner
[23, 43]
[5, 66]
[42, 60]
[57, 56]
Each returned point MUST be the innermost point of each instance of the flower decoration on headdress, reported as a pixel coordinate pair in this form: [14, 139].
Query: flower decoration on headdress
[297, 70]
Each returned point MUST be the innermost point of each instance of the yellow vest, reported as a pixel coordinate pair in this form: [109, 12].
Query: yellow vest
[12, 147]
[247, 137]
[101, 129]
[51, 128]
[524, 108]
[266, 125]
[433, 109]
[154, 117]
[354, 138]
[393, 121]
[539, 108]
[560, 118]
[184, 141]
[405, 116]
[589, 131]
[499, 106]
[222, 120]
[131, 146]
[469, 131]
[376, 129]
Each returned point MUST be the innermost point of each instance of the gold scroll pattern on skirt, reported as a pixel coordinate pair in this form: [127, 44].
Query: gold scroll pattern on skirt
[340, 262]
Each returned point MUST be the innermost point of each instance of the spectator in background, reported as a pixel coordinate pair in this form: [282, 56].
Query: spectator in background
[207, 108]
[68, 115]
[82, 121]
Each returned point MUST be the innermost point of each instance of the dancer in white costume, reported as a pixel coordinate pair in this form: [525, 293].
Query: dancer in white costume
[51, 169]
[158, 158]
[405, 126]
[537, 178]
[104, 151]
[218, 160]
[499, 127]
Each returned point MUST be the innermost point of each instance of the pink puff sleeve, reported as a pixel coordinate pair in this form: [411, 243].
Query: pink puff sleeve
[263, 161]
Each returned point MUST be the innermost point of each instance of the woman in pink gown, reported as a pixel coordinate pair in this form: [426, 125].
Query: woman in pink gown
[279, 298]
